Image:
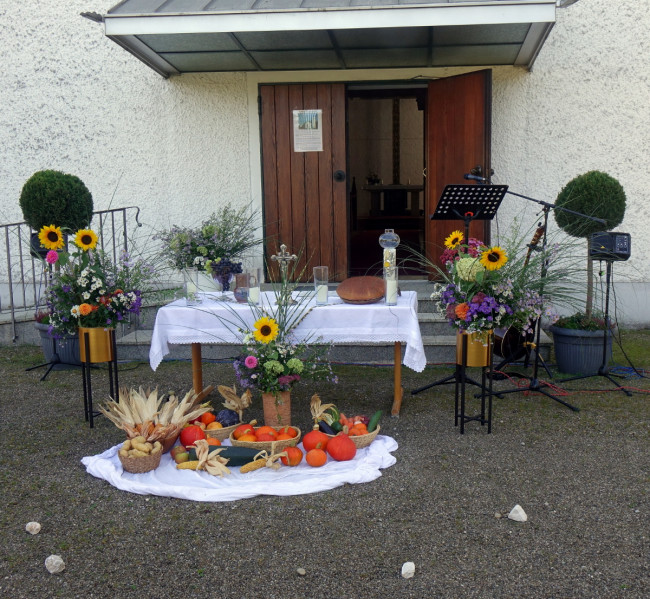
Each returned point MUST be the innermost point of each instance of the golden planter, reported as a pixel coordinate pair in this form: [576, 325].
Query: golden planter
[479, 348]
[100, 343]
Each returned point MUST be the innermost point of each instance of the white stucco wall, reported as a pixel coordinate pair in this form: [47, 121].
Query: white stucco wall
[75, 101]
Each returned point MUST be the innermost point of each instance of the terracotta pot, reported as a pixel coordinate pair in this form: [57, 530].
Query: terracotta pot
[277, 408]
[100, 343]
[479, 349]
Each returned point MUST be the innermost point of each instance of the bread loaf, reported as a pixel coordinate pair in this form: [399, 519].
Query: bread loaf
[361, 290]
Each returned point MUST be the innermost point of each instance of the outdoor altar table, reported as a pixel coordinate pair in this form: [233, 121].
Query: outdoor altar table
[214, 321]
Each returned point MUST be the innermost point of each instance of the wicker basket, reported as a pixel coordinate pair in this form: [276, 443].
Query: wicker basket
[169, 442]
[362, 441]
[222, 433]
[140, 465]
[270, 446]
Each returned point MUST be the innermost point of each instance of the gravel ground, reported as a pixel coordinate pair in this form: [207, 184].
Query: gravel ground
[582, 478]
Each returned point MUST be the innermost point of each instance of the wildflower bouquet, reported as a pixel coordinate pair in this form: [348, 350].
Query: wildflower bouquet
[225, 235]
[86, 288]
[272, 360]
[486, 288]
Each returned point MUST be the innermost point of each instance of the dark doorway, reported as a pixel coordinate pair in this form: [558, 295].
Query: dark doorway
[386, 158]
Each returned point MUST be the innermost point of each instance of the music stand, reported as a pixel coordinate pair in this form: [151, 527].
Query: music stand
[467, 203]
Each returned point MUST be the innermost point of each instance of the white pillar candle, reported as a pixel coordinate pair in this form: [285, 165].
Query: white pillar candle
[254, 295]
[321, 294]
[391, 292]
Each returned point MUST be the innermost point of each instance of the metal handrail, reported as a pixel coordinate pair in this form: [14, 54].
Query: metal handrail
[24, 277]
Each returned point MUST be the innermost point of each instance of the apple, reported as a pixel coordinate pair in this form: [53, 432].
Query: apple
[180, 454]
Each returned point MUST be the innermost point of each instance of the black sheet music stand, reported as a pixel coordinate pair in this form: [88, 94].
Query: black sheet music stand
[467, 203]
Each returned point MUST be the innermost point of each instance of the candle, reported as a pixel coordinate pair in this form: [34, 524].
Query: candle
[321, 294]
[391, 292]
[254, 295]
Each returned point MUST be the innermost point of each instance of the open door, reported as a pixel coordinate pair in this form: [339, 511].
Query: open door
[305, 193]
[458, 129]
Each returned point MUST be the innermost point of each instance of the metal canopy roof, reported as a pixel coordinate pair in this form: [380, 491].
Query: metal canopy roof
[184, 36]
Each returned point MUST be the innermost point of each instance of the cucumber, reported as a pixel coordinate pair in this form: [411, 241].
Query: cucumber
[237, 456]
[326, 428]
[374, 420]
[337, 427]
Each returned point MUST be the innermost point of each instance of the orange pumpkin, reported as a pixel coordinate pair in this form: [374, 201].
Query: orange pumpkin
[315, 439]
[342, 448]
[316, 458]
[293, 457]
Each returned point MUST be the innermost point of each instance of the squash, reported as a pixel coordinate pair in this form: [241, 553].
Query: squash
[315, 439]
[342, 448]
[293, 457]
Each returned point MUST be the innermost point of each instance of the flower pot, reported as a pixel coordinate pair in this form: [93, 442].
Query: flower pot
[479, 348]
[100, 344]
[66, 348]
[277, 408]
[580, 352]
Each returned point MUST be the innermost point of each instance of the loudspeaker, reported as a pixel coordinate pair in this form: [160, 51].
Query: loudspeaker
[610, 245]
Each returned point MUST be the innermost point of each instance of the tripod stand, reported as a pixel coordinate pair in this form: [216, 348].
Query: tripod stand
[603, 370]
[466, 203]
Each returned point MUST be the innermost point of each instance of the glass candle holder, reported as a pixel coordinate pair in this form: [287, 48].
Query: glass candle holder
[389, 240]
[321, 278]
[391, 280]
[255, 280]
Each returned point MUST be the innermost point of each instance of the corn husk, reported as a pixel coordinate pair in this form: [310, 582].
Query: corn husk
[318, 410]
[142, 413]
[235, 402]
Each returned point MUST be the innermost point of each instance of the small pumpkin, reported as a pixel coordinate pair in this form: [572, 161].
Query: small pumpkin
[342, 448]
[315, 439]
[293, 457]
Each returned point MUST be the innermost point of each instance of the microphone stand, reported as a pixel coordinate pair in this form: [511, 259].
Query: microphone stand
[534, 382]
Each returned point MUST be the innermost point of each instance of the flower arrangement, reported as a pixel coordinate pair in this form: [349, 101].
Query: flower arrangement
[486, 288]
[272, 360]
[225, 235]
[271, 364]
[86, 288]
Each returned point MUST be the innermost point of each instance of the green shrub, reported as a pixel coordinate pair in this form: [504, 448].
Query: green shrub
[55, 198]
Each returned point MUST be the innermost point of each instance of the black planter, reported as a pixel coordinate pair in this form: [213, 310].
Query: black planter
[580, 352]
[64, 352]
[37, 250]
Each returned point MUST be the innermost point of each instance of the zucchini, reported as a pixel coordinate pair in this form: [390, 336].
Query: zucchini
[237, 456]
[374, 420]
[326, 428]
[337, 427]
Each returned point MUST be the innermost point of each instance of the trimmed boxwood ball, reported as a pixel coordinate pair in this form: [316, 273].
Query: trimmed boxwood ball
[595, 194]
[54, 198]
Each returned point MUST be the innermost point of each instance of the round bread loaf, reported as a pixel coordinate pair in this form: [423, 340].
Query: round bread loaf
[361, 290]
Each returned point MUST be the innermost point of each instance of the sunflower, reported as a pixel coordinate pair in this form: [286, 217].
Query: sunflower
[86, 239]
[51, 237]
[455, 239]
[493, 258]
[266, 329]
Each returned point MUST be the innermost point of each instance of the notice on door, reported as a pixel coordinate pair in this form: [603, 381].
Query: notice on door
[308, 130]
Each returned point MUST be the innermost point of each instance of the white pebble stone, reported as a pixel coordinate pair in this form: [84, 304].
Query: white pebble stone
[55, 564]
[301, 571]
[33, 528]
[408, 570]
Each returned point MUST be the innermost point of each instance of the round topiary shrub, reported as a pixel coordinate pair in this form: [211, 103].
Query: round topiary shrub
[595, 194]
[54, 198]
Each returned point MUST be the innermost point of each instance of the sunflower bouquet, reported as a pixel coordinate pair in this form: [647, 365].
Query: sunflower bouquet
[86, 289]
[272, 362]
[476, 296]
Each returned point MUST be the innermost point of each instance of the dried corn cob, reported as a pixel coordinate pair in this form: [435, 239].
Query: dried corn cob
[191, 465]
[251, 466]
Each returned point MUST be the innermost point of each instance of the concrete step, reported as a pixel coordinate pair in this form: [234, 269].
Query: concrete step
[439, 349]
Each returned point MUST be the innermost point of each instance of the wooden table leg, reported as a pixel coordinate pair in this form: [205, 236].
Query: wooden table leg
[398, 391]
[197, 373]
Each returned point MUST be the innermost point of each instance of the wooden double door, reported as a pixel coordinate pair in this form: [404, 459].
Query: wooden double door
[306, 194]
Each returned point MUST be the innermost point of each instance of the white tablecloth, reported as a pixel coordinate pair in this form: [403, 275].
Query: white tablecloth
[167, 481]
[218, 322]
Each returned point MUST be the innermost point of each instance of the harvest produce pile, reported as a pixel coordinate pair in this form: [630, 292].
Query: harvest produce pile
[151, 424]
